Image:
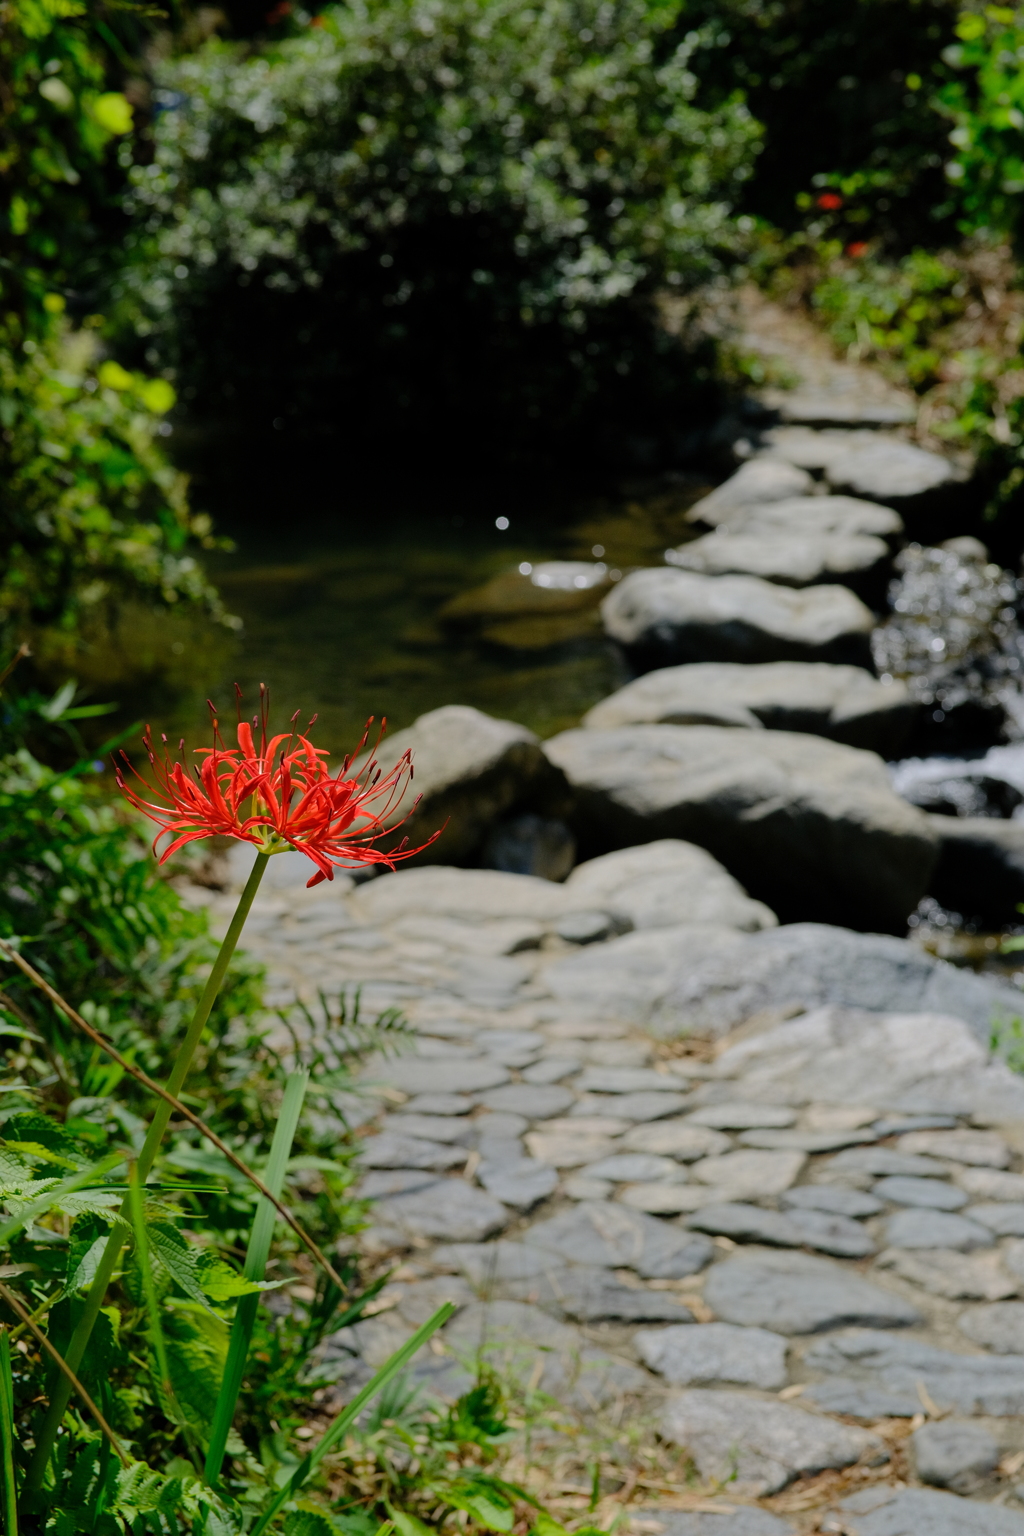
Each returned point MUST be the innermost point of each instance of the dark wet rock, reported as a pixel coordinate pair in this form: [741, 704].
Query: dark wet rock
[921, 1192]
[665, 616]
[795, 1293]
[529, 844]
[981, 866]
[935, 1229]
[953, 1454]
[844, 703]
[449, 1210]
[664, 883]
[916, 1511]
[999, 1326]
[612, 1236]
[974, 1384]
[780, 810]
[715, 1353]
[759, 1446]
[833, 1199]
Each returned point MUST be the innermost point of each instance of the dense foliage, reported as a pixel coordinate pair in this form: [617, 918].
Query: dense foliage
[360, 219]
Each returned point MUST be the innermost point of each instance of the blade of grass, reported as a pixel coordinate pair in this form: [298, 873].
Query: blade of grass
[10, 1488]
[256, 1257]
[348, 1415]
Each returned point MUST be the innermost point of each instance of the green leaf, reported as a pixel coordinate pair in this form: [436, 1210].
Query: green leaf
[202, 1275]
[408, 1525]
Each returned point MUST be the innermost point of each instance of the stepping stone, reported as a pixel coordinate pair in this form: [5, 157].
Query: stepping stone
[533, 1101]
[982, 1149]
[392, 1181]
[552, 1069]
[856, 1400]
[991, 1183]
[958, 1276]
[930, 1193]
[592, 1295]
[633, 1106]
[793, 557]
[758, 1447]
[438, 1104]
[388, 1150]
[737, 1116]
[564, 1149]
[885, 1163]
[448, 1209]
[954, 1455]
[758, 1173]
[999, 1326]
[662, 617]
[844, 703]
[486, 1263]
[973, 1384]
[680, 1139]
[1004, 1220]
[515, 1338]
[668, 1199]
[811, 1142]
[755, 483]
[446, 1128]
[473, 895]
[412, 1074]
[714, 1353]
[910, 480]
[795, 1293]
[935, 1229]
[625, 1080]
[610, 1236]
[916, 1511]
[832, 1233]
[831, 1198]
[635, 1167]
[520, 1182]
[793, 1229]
[729, 1521]
[666, 883]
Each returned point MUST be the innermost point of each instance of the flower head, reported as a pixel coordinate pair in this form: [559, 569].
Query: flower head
[858, 248]
[277, 795]
[829, 201]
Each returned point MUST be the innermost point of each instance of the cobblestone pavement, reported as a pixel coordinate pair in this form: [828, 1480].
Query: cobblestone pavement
[796, 1252]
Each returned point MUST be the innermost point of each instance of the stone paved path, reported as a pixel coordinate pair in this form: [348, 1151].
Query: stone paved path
[794, 1252]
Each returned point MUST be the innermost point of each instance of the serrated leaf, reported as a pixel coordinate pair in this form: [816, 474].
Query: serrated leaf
[202, 1275]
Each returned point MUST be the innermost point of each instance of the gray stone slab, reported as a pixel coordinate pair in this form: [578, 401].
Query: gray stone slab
[729, 1521]
[812, 1142]
[449, 1210]
[929, 1194]
[883, 1162]
[520, 1182]
[714, 1353]
[389, 1150]
[736, 1115]
[747, 1224]
[832, 1198]
[446, 1128]
[625, 1080]
[894, 1125]
[635, 1167]
[935, 1229]
[755, 483]
[991, 1184]
[393, 1181]
[830, 1232]
[958, 1276]
[676, 1138]
[953, 1454]
[895, 473]
[438, 1104]
[612, 1236]
[925, 1512]
[980, 1149]
[485, 1263]
[552, 1069]
[535, 1101]
[999, 1326]
[755, 1174]
[591, 1295]
[789, 554]
[1005, 1220]
[632, 1106]
[973, 1384]
[758, 1447]
[415, 1075]
[860, 1400]
[796, 1293]
[665, 883]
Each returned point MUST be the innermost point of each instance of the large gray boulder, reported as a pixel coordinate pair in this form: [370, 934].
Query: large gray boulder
[844, 703]
[662, 884]
[661, 616]
[808, 826]
[469, 769]
[980, 871]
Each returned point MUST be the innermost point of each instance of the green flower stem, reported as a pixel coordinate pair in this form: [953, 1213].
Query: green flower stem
[255, 1266]
[10, 1489]
[61, 1395]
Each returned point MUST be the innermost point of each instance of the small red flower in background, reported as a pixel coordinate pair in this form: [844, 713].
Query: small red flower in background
[857, 248]
[829, 201]
[279, 12]
[278, 797]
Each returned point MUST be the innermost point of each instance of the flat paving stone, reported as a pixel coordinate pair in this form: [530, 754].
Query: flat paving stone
[714, 1353]
[611, 1236]
[635, 1167]
[677, 1138]
[535, 1101]
[796, 1293]
[935, 1229]
[982, 1149]
[958, 1276]
[633, 1106]
[448, 1209]
[991, 1183]
[389, 1150]
[735, 1115]
[392, 1181]
[973, 1384]
[953, 1454]
[590, 1295]
[757, 1173]
[998, 1326]
[928, 1193]
[813, 1142]
[413, 1074]
[1005, 1220]
[832, 1198]
[551, 1069]
[857, 1400]
[484, 1263]
[758, 1446]
[438, 1104]
[832, 1233]
[446, 1128]
[625, 1080]
[924, 1512]
[728, 1521]
[522, 1182]
[560, 1149]
[883, 1162]
[747, 1224]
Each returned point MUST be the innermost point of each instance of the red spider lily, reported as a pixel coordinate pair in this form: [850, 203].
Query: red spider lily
[278, 797]
[830, 201]
[858, 248]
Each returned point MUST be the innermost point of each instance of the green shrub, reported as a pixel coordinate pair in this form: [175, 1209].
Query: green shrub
[454, 206]
[985, 102]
